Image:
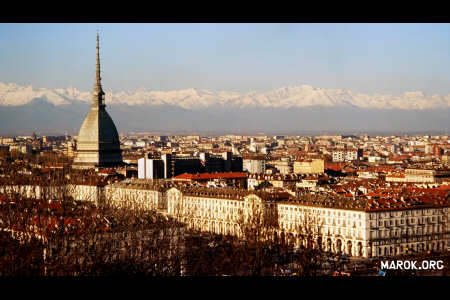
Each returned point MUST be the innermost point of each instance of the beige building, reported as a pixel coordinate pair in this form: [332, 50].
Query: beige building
[284, 167]
[420, 176]
[366, 228]
[309, 166]
[138, 193]
[275, 180]
[361, 226]
[71, 149]
[222, 211]
[82, 192]
[363, 229]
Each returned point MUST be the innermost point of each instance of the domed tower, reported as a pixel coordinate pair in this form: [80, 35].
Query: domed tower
[98, 142]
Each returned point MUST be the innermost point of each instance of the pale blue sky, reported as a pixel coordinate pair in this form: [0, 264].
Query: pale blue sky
[368, 58]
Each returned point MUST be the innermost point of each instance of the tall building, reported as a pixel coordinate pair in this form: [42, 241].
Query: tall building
[254, 166]
[150, 168]
[98, 141]
[225, 162]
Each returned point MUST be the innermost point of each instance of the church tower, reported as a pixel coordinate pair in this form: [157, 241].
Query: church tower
[98, 142]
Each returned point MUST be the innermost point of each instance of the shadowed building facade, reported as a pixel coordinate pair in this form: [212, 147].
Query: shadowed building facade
[98, 142]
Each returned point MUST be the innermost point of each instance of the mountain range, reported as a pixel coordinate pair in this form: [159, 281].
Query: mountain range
[303, 107]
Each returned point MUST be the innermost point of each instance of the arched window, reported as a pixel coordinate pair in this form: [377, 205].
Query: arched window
[359, 249]
[338, 246]
[329, 245]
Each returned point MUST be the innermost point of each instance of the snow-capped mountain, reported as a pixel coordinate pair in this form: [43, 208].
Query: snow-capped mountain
[24, 109]
[193, 99]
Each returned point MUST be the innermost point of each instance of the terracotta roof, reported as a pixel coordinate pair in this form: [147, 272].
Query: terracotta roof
[54, 205]
[397, 175]
[206, 176]
[334, 166]
[236, 194]
[378, 169]
[108, 172]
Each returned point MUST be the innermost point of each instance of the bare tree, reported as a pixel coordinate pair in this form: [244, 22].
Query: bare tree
[78, 238]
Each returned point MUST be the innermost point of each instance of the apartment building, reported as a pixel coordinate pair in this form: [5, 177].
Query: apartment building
[254, 166]
[369, 225]
[343, 155]
[358, 227]
[367, 228]
[309, 166]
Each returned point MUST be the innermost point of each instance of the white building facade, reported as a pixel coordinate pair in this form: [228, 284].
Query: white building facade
[362, 231]
[356, 226]
[254, 166]
[345, 155]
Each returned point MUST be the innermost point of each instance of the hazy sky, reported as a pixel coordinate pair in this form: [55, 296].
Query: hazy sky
[368, 58]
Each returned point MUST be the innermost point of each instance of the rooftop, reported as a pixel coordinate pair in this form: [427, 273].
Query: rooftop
[209, 176]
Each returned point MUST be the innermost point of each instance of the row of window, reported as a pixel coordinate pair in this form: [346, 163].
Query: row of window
[404, 213]
[409, 231]
[410, 221]
[321, 212]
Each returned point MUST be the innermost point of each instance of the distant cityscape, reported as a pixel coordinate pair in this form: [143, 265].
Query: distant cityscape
[392, 191]
[352, 196]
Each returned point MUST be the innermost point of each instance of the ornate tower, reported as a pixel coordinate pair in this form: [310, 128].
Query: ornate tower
[98, 142]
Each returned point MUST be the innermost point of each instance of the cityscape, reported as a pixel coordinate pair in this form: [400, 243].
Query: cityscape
[229, 188]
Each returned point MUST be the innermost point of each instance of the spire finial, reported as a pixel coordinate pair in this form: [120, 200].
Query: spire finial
[97, 75]
[98, 95]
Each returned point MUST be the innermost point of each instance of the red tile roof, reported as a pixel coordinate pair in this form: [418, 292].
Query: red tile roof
[107, 172]
[209, 176]
[54, 205]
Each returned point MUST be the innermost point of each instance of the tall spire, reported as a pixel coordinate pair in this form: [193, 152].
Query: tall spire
[98, 85]
[98, 95]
